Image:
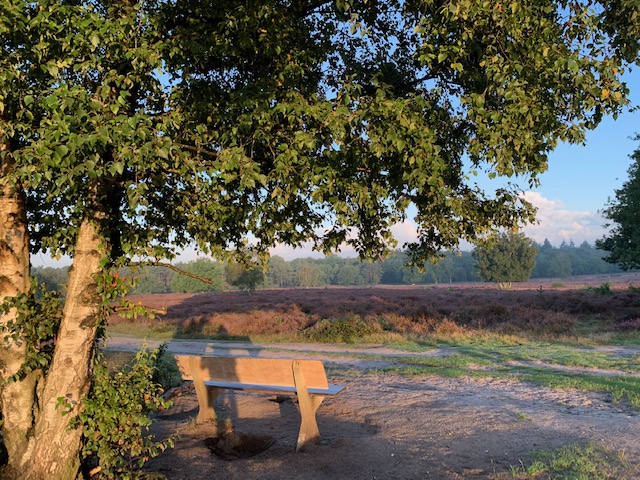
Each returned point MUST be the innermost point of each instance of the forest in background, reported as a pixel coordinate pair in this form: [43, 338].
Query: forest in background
[565, 261]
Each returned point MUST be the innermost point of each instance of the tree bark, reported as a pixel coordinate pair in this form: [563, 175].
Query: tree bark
[17, 399]
[56, 451]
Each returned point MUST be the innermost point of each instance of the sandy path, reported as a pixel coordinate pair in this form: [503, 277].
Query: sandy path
[338, 355]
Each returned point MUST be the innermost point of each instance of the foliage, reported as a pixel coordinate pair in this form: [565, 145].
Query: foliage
[276, 119]
[604, 289]
[165, 372]
[149, 279]
[356, 123]
[201, 267]
[279, 273]
[336, 331]
[506, 258]
[116, 416]
[563, 261]
[623, 213]
[36, 325]
[53, 279]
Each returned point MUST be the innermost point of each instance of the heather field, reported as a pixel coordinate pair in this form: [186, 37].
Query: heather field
[600, 309]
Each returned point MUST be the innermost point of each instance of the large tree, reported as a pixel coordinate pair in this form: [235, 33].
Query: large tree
[83, 122]
[505, 258]
[276, 121]
[623, 212]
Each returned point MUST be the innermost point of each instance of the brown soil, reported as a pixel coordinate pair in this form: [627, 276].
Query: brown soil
[383, 426]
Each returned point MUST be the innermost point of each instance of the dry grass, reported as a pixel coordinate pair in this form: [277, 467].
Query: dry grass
[441, 311]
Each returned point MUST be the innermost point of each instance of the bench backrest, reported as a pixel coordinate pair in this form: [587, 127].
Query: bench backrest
[256, 371]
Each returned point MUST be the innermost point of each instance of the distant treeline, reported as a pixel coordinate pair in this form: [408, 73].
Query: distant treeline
[564, 261]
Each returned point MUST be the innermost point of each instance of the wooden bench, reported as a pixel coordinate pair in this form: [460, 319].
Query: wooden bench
[305, 378]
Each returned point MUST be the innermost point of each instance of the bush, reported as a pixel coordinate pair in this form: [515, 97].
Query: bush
[604, 289]
[337, 331]
[116, 413]
[166, 373]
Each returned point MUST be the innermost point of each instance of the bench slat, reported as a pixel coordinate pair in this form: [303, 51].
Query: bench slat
[331, 391]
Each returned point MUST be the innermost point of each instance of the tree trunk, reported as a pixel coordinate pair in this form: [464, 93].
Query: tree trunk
[56, 453]
[17, 399]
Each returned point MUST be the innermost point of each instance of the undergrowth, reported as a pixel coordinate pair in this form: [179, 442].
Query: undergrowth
[116, 415]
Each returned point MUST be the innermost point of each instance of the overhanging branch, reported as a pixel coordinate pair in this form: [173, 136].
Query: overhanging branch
[174, 268]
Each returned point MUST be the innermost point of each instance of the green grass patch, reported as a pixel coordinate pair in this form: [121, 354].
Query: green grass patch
[554, 354]
[439, 371]
[159, 330]
[631, 339]
[576, 462]
[619, 387]
[482, 362]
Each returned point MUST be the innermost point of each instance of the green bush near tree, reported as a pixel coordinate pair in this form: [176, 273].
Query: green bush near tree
[115, 419]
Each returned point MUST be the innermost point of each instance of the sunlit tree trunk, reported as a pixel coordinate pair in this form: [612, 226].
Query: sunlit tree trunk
[18, 398]
[56, 452]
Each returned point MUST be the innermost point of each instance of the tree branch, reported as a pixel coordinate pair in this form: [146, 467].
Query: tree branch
[174, 268]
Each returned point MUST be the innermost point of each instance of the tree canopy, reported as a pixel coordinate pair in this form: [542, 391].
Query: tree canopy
[623, 212]
[131, 128]
[505, 258]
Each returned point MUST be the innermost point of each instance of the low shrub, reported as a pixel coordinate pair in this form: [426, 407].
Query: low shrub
[419, 325]
[604, 289]
[116, 416]
[337, 331]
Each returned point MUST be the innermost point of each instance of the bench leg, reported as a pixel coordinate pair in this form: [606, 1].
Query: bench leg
[308, 403]
[206, 395]
[309, 433]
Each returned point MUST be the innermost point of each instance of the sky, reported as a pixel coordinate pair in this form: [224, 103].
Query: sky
[578, 183]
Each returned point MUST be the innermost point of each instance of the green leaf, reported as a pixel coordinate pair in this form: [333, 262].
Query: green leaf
[62, 150]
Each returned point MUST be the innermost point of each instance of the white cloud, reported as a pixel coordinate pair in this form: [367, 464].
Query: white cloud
[405, 232]
[557, 224]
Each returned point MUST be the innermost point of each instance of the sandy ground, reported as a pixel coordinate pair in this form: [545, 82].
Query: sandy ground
[385, 426]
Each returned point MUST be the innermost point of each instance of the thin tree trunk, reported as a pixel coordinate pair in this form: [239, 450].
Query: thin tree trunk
[56, 453]
[17, 400]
